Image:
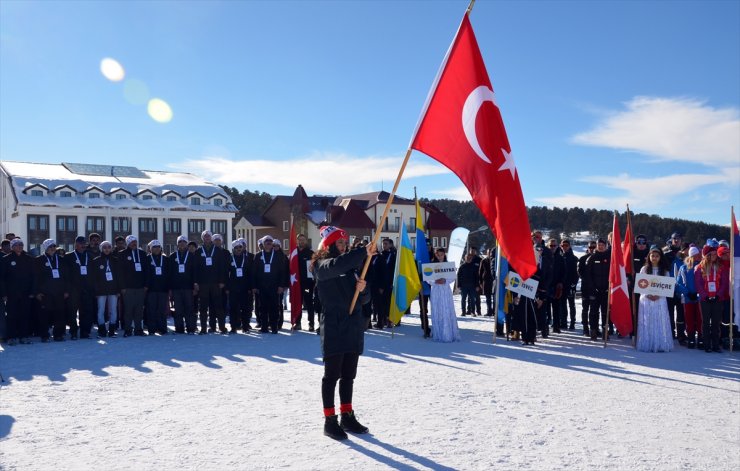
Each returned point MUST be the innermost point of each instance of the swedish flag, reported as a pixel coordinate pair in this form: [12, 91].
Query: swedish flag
[406, 282]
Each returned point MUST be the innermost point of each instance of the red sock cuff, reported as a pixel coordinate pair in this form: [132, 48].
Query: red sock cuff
[345, 408]
[329, 411]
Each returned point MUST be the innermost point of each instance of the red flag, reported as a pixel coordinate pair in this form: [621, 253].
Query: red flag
[627, 249]
[295, 280]
[461, 127]
[619, 304]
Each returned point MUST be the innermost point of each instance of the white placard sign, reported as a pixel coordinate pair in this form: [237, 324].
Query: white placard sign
[431, 272]
[526, 288]
[655, 285]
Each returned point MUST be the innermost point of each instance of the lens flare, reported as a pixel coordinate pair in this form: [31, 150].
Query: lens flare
[159, 110]
[135, 91]
[112, 70]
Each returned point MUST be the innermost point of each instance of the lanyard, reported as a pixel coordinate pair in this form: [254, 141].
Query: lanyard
[272, 254]
[135, 255]
[107, 264]
[177, 256]
[243, 258]
[213, 248]
[78, 258]
[155, 263]
[56, 259]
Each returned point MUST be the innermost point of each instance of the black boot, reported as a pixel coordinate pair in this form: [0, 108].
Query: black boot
[102, 332]
[350, 423]
[332, 428]
[692, 342]
[112, 330]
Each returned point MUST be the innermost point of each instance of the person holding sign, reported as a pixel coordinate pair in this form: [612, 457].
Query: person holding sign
[654, 326]
[444, 322]
[710, 281]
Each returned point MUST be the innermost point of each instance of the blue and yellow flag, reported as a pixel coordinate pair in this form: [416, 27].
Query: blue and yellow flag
[422, 254]
[406, 282]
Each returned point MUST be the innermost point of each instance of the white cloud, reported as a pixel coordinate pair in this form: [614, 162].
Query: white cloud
[459, 193]
[319, 173]
[679, 129]
[649, 193]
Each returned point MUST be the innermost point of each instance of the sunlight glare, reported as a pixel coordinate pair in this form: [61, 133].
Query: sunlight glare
[159, 110]
[112, 69]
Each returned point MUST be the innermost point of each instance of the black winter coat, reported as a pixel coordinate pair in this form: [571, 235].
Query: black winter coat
[100, 267]
[467, 275]
[304, 256]
[279, 276]
[158, 283]
[597, 271]
[335, 284]
[245, 261]
[184, 280]
[16, 275]
[44, 281]
[127, 262]
[485, 275]
[214, 273]
[571, 270]
[79, 282]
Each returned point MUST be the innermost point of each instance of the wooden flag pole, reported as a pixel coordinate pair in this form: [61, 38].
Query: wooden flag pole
[632, 295]
[732, 271]
[380, 225]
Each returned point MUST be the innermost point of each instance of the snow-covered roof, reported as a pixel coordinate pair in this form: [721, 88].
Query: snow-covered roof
[26, 174]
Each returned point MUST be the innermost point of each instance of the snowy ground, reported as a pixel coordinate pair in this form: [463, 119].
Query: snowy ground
[252, 402]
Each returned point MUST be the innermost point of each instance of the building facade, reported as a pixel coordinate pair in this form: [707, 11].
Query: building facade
[62, 201]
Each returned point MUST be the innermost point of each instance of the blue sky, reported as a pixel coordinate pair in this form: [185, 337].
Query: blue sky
[605, 103]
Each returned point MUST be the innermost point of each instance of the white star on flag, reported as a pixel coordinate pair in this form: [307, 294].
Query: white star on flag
[622, 283]
[293, 279]
[508, 163]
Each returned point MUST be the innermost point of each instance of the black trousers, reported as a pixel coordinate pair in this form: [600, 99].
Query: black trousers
[85, 303]
[157, 308]
[585, 305]
[270, 309]
[19, 316]
[241, 309]
[184, 313]
[599, 305]
[678, 323]
[211, 307]
[51, 312]
[711, 316]
[307, 300]
[342, 368]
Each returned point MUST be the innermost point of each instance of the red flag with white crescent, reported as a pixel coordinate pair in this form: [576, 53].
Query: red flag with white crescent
[620, 311]
[461, 127]
[295, 279]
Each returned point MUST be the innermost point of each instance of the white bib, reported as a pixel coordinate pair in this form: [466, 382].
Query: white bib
[181, 268]
[209, 261]
[267, 268]
[108, 276]
[239, 273]
[83, 270]
[55, 273]
[157, 270]
[137, 266]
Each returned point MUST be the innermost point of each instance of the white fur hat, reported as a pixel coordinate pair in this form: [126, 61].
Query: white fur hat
[131, 238]
[48, 243]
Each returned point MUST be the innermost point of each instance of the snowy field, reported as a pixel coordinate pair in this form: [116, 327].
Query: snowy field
[252, 402]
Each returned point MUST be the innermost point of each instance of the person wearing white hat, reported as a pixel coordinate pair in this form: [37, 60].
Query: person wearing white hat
[182, 284]
[158, 274]
[133, 291]
[211, 276]
[238, 287]
[271, 276]
[107, 272]
[16, 289]
[82, 291]
[51, 285]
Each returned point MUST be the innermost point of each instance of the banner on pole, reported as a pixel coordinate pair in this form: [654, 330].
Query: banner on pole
[655, 285]
[434, 271]
[526, 288]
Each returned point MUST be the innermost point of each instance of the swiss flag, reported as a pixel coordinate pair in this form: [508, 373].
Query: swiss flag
[620, 311]
[296, 303]
[461, 127]
[627, 249]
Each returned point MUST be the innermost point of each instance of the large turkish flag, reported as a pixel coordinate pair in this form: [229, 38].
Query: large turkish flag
[620, 310]
[461, 127]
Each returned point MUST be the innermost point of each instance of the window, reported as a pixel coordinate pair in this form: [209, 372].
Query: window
[146, 197]
[435, 242]
[172, 198]
[147, 225]
[94, 195]
[172, 230]
[218, 226]
[120, 196]
[218, 202]
[65, 194]
[172, 226]
[286, 245]
[444, 242]
[413, 243]
[286, 226]
[37, 193]
[95, 224]
[121, 225]
[366, 238]
[412, 224]
[66, 232]
[38, 231]
[195, 227]
[195, 201]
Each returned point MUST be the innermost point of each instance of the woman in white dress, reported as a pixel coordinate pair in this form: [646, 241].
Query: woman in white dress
[444, 321]
[654, 333]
